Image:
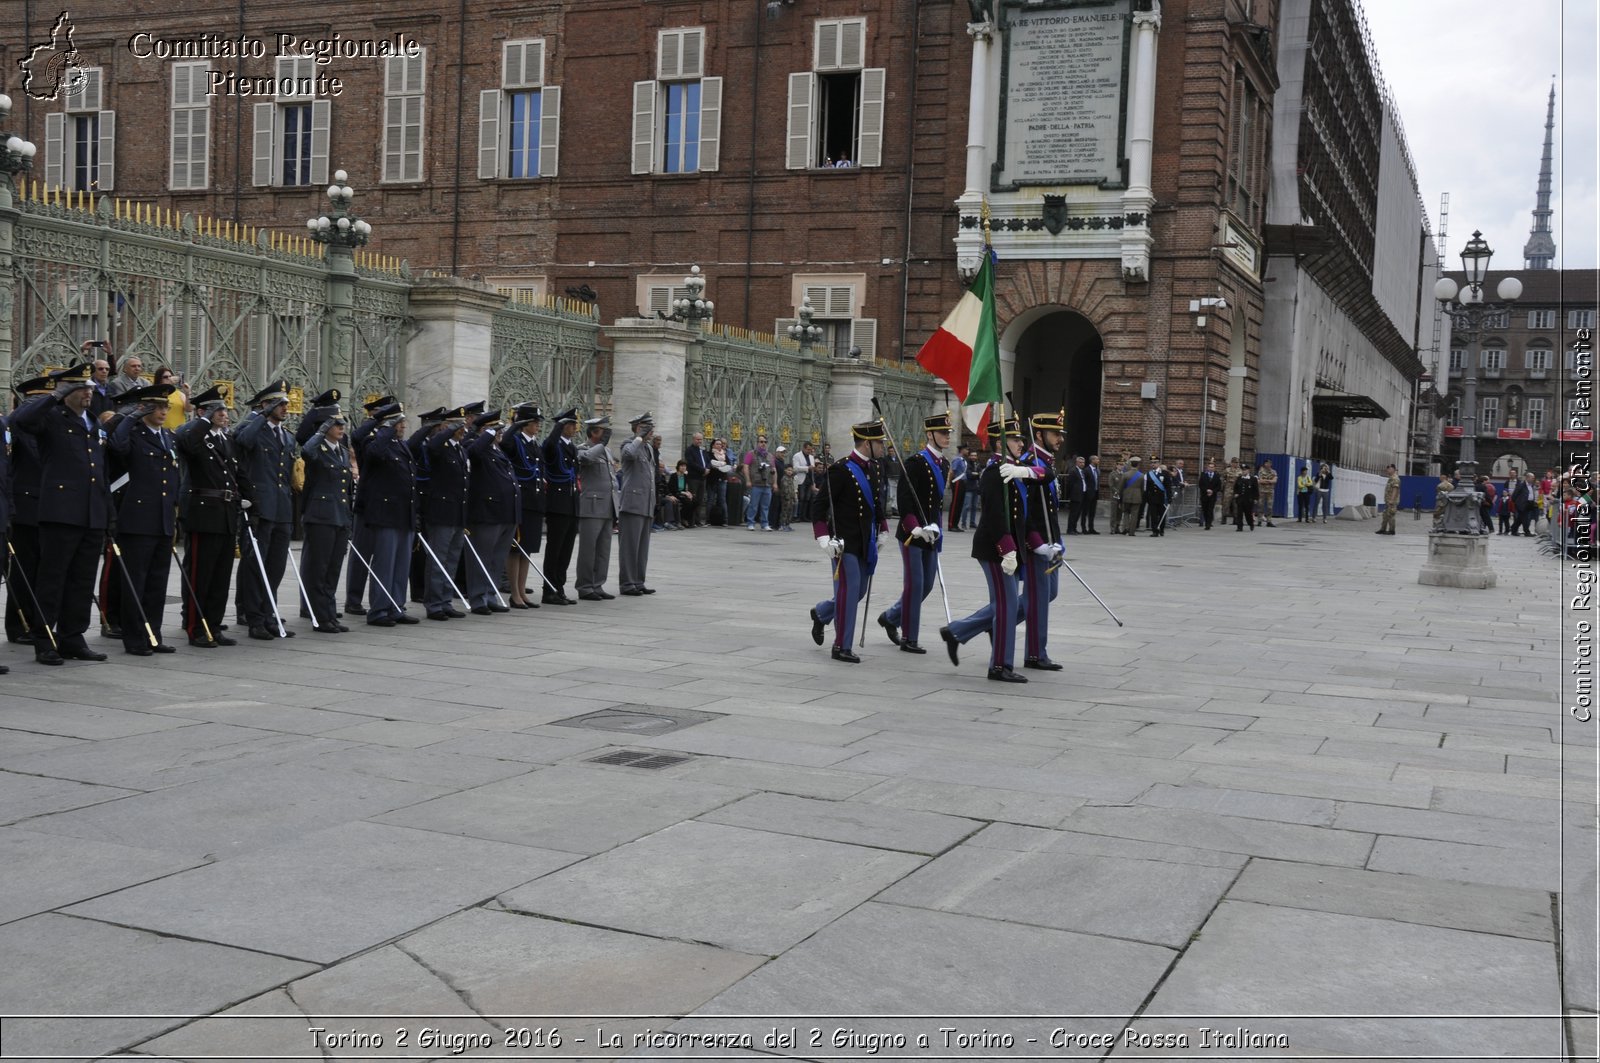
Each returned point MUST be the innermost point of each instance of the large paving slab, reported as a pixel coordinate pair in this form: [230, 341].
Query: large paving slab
[42, 872]
[743, 889]
[1258, 965]
[852, 822]
[328, 894]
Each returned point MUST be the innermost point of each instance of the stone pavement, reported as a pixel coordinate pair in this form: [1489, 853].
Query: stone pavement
[1297, 794]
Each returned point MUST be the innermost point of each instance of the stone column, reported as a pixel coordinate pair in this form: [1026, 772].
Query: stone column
[1138, 199]
[969, 242]
[448, 361]
[850, 392]
[648, 363]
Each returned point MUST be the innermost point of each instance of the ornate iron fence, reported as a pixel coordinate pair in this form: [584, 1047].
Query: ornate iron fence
[740, 384]
[907, 395]
[547, 350]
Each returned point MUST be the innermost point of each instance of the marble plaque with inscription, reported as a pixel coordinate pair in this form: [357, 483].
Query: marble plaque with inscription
[1063, 94]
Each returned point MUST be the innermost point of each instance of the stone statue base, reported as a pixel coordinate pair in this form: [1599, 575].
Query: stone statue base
[1457, 561]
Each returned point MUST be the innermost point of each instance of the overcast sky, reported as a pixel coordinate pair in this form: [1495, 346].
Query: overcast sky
[1471, 79]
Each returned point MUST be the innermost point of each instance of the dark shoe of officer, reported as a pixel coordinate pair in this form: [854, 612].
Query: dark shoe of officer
[607, 596]
[481, 610]
[46, 655]
[842, 654]
[406, 618]
[382, 621]
[555, 599]
[891, 629]
[164, 648]
[907, 646]
[1043, 664]
[24, 639]
[224, 640]
[587, 596]
[496, 607]
[84, 654]
[110, 631]
[438, 615]
[642, 590]
[326, 629]
[356, 610]
[817, 627]
[631, 592]
[139, 651]
[286, 634]
[258, 631]
[203, 643]
[952, 645]
[4, 669]
[453, 613]
[341, 627]
[1006, 675]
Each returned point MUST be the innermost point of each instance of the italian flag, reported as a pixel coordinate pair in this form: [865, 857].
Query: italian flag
[965, 353]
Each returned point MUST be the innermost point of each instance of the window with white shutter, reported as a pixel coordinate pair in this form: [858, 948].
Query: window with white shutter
[190, 153]
[404, 83]
[519, 124]
[80, 139]
[1580, 319]
[1536, 415]
[289, 145]
[658, 291]
[1541, 319]
[836, 109]
[677, 118]
[836, 304]
[1538, 359]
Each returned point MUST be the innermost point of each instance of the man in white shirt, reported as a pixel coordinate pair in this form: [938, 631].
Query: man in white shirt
[802, 464]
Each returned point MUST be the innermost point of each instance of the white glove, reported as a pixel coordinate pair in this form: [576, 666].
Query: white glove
[1008, 562]
[928, 533]
[1045, 550]
[1018, 472]
[1056, 550]
[830, 546]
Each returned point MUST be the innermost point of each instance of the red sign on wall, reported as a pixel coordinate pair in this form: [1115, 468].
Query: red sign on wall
[1576, 435]
[1454, 431]
[1515, 433]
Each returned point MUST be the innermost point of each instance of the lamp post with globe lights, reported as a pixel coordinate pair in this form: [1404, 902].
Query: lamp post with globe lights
[803, 331]
[342, 232]
[1469, 311]
[339, 228]
[693, 307]
[16, 154]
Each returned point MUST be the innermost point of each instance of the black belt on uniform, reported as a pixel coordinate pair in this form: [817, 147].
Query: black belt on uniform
[213, 492]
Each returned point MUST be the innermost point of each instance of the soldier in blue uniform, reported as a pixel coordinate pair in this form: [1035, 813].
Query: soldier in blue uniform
[74, 507]
[494, 506]
[22, 617]
[1040, 580]
[522, 446]
[355, 578]
[326, 514]
[267, 453]
[5, 503]
[211, 510]
[1001, 527]
[324, 407]
[389, 507]
[560, 506]
[147, 512]
[848, 521]
[444, 506]
[924, 478]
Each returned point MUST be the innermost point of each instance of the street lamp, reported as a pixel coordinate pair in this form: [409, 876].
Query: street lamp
[693, 308]
[1468, 312]
[339, 228]
[18, 154]
[803, 331]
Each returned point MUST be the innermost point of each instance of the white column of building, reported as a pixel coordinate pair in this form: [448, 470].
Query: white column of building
[1136, 240]
[969, 242]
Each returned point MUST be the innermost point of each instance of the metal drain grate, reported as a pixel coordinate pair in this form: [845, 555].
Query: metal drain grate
[647, 761]
[638, 719]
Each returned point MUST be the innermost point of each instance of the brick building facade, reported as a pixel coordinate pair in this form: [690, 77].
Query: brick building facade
[607, 146]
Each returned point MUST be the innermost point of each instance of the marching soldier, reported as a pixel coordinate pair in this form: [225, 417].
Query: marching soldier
[522, 446]
[326, 515]
[597, 510]
[74, 507]
[267, 453]
[388, 506]
[355, 577]
[22, 560]
[1002, 523]
[560, 506]
[147, 511]
[920, 497]
[493, 508]
[1039, 578]
[211, 510]
[444, 494]
[638, 507]
[848, 521]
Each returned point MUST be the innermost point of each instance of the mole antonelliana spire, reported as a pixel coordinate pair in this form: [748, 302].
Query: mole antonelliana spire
[1540, 250]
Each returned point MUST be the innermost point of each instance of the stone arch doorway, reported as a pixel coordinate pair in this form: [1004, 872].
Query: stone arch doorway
[1510, 464]
[1056, 359]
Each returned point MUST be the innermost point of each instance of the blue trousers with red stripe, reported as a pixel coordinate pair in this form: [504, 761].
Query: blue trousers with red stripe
[849, 581]
[1039, 586]
[921, 570]
[1003, 604]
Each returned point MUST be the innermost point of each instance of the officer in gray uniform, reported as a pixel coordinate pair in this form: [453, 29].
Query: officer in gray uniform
[638, 506]
[597, 509]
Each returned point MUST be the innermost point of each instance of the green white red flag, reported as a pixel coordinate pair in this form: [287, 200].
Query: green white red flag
[965, 352]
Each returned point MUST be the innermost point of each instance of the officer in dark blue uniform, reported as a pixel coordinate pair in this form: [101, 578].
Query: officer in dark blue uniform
[560, 506]
[211, 510]
[5, 502]
[848, 521]
[424, 426]
[355, 579]
[147, 511]
[74, 507]
[22, 616]
[267, 453]
[1040, 580]
[388, 502]
[924, 478]
[444, 509]
[494, 505]
[522, 446]
[326, 516]
[323, 407]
